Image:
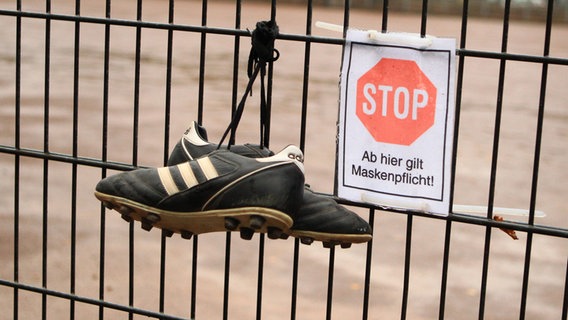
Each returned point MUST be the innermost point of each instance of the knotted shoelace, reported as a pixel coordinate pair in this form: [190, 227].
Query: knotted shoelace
[261, 53]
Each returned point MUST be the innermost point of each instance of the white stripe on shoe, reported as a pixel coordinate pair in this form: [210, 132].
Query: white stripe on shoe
[187, 174]
[207, 167]
[167, 180]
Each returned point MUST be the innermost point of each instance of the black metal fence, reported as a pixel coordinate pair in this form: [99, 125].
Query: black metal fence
[89, 89]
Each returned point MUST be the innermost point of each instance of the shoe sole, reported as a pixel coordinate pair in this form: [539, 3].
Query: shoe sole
[330, 239]
[247, 220]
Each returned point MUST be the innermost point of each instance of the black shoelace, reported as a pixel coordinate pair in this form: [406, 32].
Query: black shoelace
[262, 52]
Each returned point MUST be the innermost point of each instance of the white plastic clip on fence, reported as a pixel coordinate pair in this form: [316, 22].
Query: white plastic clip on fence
[329, 26]
[396, 204]
[482, 210]
[401, 38]
[457, 208]
[398, 38]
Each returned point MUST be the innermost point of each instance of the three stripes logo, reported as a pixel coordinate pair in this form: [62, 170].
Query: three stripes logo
[186, 175]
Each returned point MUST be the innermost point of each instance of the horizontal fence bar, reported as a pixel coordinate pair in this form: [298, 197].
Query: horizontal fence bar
[469, 219]
[518, 226]
[164, 26]
[458, 217]
[86, 300]
[281, 36]
[512, 57]
[61, 157]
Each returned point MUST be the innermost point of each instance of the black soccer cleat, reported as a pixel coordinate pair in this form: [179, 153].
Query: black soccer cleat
[222, 191]
[319, 218]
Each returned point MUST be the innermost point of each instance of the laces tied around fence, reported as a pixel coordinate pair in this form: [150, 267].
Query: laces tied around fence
[262, 52]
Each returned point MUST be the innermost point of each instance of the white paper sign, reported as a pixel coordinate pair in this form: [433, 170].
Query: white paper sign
[396, 121]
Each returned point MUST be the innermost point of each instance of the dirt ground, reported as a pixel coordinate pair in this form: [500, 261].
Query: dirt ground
[516, 155]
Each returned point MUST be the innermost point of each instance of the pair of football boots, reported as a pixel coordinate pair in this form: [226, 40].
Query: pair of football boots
[245, 188]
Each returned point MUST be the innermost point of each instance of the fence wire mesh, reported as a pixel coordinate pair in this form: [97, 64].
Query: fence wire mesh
[94, 88]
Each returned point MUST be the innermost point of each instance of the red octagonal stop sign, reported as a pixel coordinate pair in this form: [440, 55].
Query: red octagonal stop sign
[396, 101]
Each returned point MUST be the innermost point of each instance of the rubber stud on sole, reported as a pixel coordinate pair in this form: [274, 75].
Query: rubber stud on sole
[186, 234]
[126, 217]
[274, 233]
[231, 224]
[146, 224]
[256, 222]
[284, 236]
[247, 233]
[167, 233]
[346, 245]
[306, 240]
[108, 205]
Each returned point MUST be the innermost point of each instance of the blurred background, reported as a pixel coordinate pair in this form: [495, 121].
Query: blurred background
[116, 89]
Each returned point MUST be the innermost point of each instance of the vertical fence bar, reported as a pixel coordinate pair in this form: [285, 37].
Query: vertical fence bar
[484, 272]
[385, 16]
[203, 44]
[260, 277]
[536, 161]
[104, 156]
[330, 282]
[17, 105]
[409, 222]
[368, 265]
[295, 264]
[346, 14]
[234, 95]
[407, 256]
[169, 62]
[424, 18]
[162, 289]
[448, 234]
[165, 233]
[136, 106]
[102, 224]
[565, 304]
[305, 86]
[306, 77]
[193, 295]
[445, 267]
[226, 276]
[236, 56]
[269, 77]
[495, 155]
[135, 123]
[135, 134]
[410, 217]
[45, 204]
[266, 143]
[540, 116]
[131, 268]
[75, 153]
[331, 263]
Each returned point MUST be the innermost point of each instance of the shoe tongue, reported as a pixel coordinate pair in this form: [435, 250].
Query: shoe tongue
[193, 134]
